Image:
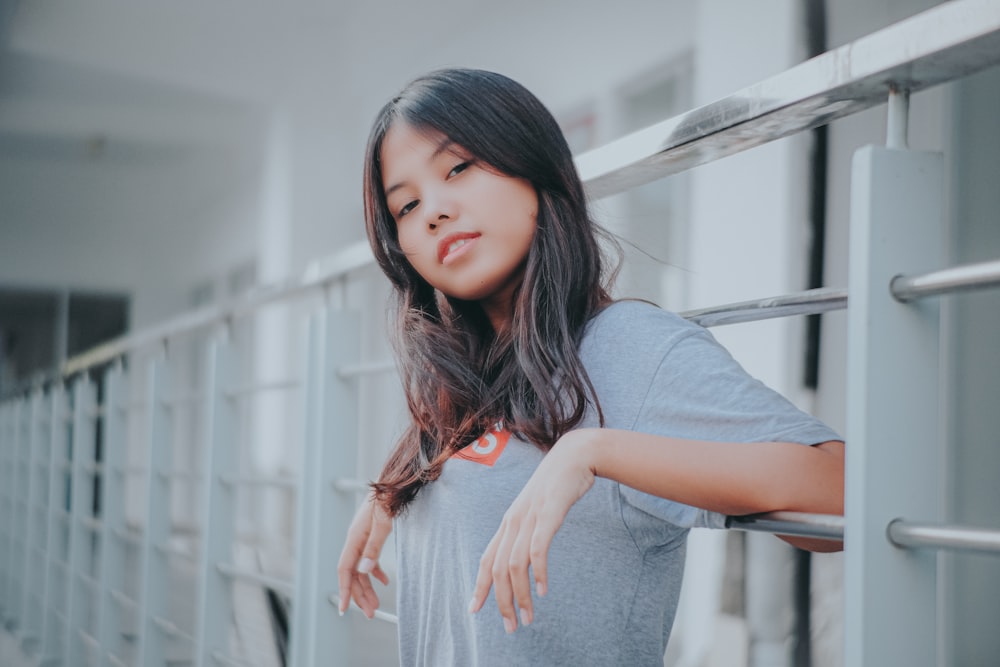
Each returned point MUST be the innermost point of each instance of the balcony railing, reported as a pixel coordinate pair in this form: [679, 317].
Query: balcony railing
[80, 452]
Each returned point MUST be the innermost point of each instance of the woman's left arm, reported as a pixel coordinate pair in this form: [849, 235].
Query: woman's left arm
[726, 477]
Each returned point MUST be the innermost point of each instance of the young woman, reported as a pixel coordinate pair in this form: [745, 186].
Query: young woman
[561, 444]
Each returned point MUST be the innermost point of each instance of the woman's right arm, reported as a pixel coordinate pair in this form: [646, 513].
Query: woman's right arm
[359, 558]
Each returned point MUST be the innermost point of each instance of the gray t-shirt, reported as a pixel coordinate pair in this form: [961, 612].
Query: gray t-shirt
[616, 563]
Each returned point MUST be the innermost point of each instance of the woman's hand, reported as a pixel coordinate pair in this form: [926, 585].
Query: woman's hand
[359, 559]
[528, 527]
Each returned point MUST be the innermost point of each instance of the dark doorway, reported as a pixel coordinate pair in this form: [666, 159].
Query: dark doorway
[40, 329]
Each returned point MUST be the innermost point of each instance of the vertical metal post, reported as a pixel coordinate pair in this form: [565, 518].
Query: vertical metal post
[34, 527]
[17, 488]
[898, 121]
[112, 563]
[318, 635]
[218, 511]
[892, 408]
[156, 531]
[81, 508]
[6, 506]
[58, 550]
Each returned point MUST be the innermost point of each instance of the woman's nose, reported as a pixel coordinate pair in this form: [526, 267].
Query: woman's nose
[438, 211]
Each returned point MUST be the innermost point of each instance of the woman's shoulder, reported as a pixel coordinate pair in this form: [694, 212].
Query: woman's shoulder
[637, 327]
[637, 317]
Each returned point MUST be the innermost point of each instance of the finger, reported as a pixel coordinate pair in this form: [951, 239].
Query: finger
[484, 578]
[502, 591]
[381, 526]
[518, 563]
[346, 567]
[380, 574]
[364, 595]
[541, 540]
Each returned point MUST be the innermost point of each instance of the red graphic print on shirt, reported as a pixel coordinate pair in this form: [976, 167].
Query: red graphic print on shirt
[486, 449]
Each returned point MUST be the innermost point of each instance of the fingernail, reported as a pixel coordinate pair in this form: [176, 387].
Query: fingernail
[340, 611]
[508, 625]
[472, 606]
[525, 617]
[366, 565]
[541, 589]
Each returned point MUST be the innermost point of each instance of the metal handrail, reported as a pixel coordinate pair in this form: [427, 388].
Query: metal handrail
[944, 43]
[964, 278]
[796, 524]
[941, 536]
[810, 302]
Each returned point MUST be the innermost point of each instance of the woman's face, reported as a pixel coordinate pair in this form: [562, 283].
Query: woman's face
[464, 227]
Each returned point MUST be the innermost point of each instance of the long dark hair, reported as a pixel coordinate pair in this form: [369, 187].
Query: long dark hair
[459, 375]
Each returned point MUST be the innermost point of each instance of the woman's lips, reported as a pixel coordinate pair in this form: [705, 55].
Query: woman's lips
[454, 246]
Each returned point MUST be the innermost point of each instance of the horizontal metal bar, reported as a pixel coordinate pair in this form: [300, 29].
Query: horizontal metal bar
[939, 536]
[944, 43]
[379, 614]
[172, 550]
[810, 302]
[88, 638]
[347, 485]
[181, 400]
[127, 537]
[170, 628]
[370, 368]
[90, 523]
[260, 480]
[188, 475]
[91, 582]
[122, 599]
[134, 406]
[965, 278]
[317, 276]
[798, 524]
[224, 659]
[281, 585]
[91, 467]
[276, 385]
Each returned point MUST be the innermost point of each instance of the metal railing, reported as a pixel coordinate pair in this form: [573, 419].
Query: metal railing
[67, 544]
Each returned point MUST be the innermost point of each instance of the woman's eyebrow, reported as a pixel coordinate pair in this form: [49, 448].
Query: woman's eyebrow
[443, 146]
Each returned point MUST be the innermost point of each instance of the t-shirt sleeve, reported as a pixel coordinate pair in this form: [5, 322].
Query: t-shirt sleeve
[700, 392]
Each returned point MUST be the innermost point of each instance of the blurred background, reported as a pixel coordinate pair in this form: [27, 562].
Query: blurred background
[159, 158]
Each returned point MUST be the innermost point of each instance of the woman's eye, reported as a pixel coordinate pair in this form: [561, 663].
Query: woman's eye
[459, 169]
[406, 209]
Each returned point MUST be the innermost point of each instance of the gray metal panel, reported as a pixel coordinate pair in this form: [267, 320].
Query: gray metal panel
[7, 449]
[16, 521]
[112, 564]
[56, 551]
[215, 607]
[893, 425]
[81, 495]
[35, 532]
[324, 514]
[156, 531]
[939, 45]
